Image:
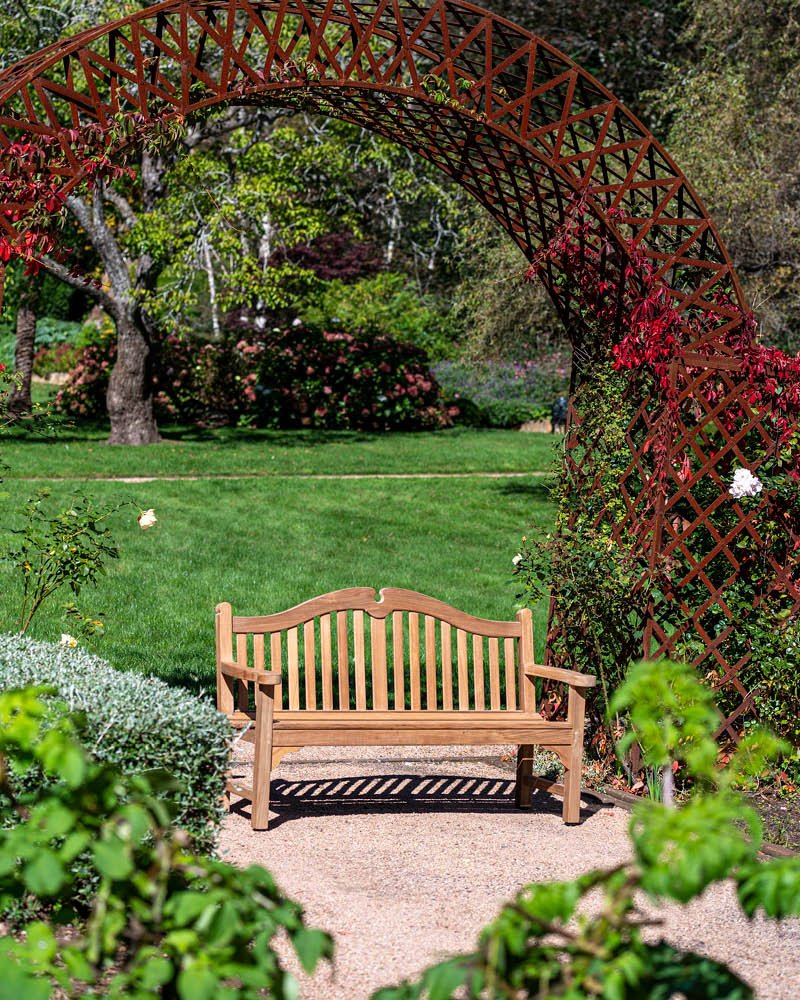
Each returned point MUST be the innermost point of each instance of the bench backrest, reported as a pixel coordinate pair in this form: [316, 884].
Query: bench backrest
[348, 650]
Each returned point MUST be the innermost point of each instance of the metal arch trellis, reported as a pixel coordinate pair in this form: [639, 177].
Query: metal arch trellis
[526, 131]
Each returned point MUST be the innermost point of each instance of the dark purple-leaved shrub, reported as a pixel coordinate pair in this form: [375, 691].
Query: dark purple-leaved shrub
[335, 256]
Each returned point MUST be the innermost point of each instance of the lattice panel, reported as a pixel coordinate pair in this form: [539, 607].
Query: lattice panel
[522, 128]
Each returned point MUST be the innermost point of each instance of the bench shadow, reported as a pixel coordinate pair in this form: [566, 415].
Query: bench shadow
[402, 793]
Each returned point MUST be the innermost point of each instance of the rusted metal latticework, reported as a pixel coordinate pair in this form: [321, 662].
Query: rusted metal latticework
[519, 126]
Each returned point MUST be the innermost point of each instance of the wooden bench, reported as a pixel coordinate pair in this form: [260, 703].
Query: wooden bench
[345, 669]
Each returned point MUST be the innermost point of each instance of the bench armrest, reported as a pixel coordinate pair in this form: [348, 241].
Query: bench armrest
[249, 673]
[572, 677]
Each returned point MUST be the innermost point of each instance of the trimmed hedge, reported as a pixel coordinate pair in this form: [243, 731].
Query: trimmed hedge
[136, 722]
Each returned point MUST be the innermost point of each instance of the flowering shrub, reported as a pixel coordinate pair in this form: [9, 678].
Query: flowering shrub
[291, 378]
[504, 394]
[55, 358]
[84, 394]
[326, 379]
[206, 384]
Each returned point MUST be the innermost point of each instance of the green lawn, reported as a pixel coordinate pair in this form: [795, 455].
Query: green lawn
[232, 451]
[268, 543]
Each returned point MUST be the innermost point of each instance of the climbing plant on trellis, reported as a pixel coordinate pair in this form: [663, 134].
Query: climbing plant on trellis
[609, 223]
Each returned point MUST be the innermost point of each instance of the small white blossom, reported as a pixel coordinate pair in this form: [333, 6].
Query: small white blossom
[745, 484]
[68, 640]
[517, 559]
[147, 518]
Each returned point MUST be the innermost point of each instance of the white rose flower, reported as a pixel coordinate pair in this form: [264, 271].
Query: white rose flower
[745, 484]
[68, 640]
[147, 518]
[517, 559]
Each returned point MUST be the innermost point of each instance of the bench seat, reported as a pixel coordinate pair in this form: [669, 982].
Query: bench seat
[402, 669]
[437, 728]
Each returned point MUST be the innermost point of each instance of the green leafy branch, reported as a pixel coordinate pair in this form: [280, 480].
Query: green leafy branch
[552, 942]
[69, 548]
[163, 921]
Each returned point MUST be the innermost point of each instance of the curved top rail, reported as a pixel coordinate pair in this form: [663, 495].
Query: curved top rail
[516, 122]
[363, 599]
[348, 599]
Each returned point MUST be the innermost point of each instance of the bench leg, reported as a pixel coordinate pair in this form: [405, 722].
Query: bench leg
[262, 771]
[524, 789]
[571, 812]
[573, 759]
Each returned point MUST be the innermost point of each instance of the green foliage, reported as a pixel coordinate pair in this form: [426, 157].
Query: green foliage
[544, 944]
[504, 394]
[670, 715]
[68, 548]
[385, 304]
[773, 674]
[163, 921]
[501, 316]
[599, 577]
[730, 109]
[134, 723]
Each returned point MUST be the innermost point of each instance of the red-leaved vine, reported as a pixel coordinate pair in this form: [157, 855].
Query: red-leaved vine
[620, 292]
[35, 171]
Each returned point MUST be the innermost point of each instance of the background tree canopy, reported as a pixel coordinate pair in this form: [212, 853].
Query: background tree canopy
[260, 216]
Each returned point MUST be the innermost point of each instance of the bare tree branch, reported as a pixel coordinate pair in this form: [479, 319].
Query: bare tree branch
[76, 281]
[121, 204]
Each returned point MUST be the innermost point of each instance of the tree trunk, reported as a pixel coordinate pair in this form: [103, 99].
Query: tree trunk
[19, 404]
[130, 388]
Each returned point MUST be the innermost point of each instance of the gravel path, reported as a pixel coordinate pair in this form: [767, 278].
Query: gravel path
[403, 854]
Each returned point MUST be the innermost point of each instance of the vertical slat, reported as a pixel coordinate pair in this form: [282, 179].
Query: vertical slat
[380, 684]
[430, 663]
[258, 650]
[511, 675]
[243, 696]
[526, 685]
[343, 661]
[326, 656]
[225, 685]
[361, 674]
[494, 674]
[309, 655]
[413, 661]
[477, 672]
[398, 662]
[447, 666]
[463, 670]
[293, 657]
[275, 657]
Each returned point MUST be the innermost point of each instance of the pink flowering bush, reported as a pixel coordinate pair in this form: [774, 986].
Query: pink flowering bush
[55, 358]
[311, 378]
[84, 394]
[286, 378]
[207, 384]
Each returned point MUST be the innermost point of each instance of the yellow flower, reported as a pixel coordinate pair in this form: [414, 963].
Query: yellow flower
[68, 640]
[147, 518]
